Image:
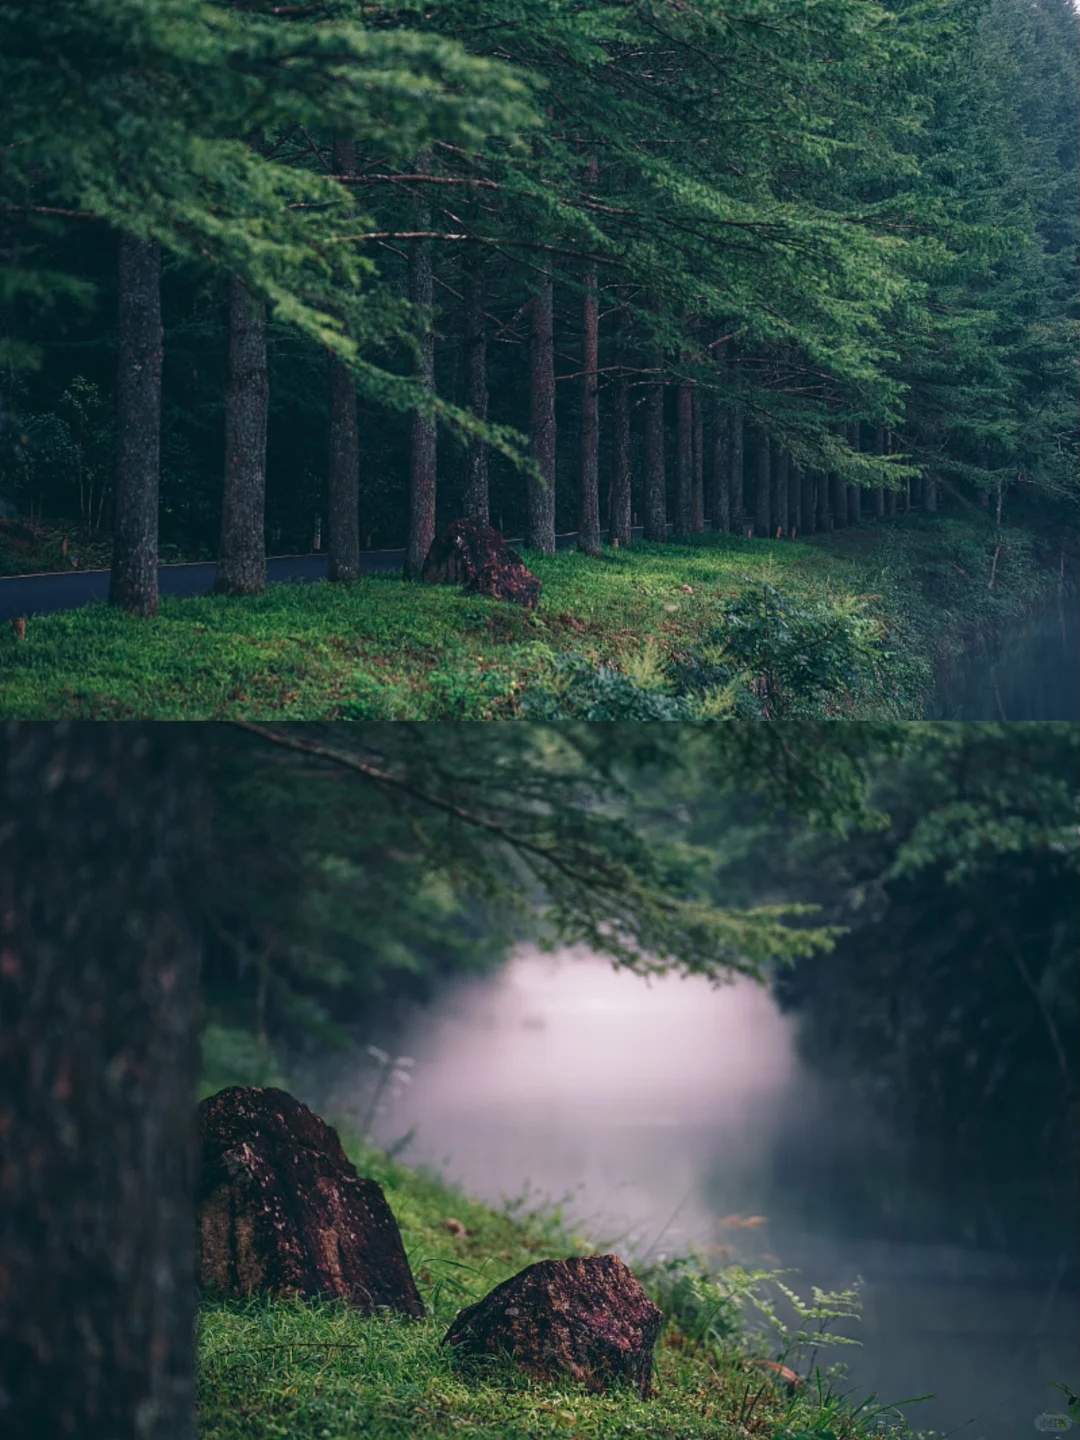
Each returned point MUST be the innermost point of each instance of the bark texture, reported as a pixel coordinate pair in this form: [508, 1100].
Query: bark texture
[620, 507]
[655, 526]
[422, 458]
[762, 496]
[585, 1318]
[282, 1211]
[781, 469]
[718, 499]
[242, 550]
[133, 583]
[540, 532]
[738, 502]
[476, 500]
[98, 974]
[697, 501]
[478, 558]
[684, 461]
[343, 468]
[589, 491]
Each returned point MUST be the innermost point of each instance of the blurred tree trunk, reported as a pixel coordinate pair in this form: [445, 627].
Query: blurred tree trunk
[655, 470]
[762, 510]
[476, 501]
[98, 978]
[697, 505]
[540, 534]
[242, 549]
[684, 461]
[589, 489]
[423, 459]
[622, 474]
[343, 471]
[133, 583]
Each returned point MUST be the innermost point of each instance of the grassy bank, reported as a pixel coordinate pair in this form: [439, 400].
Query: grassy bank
[298, 1370]
[847, 626]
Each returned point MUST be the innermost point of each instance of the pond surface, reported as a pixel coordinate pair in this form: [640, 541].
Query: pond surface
[671, 1115]
[1031, 673]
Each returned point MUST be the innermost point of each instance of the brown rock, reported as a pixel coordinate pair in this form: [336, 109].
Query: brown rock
[477, 557]
[282, 1211]
[588, 1318]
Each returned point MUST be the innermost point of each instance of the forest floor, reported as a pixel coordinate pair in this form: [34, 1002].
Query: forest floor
[847, 625]
[274, 1369]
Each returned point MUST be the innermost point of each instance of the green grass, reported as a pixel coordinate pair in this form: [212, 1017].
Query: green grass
[386, 649]
[323, 1372]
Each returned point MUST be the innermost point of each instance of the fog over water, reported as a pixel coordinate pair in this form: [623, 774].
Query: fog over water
[672, 1114]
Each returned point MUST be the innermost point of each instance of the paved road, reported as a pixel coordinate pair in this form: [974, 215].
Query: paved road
[45, 593]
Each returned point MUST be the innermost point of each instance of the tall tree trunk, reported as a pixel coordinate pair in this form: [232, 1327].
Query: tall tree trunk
[98, 976]
[796, 520]
[242, 550]
[930, 495]
[780, 468]
[811, 488]
[697, 505]
[343, 488]
[718, 503]
[762, 507]
[879, 490]
[343, 472]
[133, 583]
[476, 502]
[622, 474]
[735, 468]
[824, 509]
[839, 489]
[854, 492]
[655, 468]
[684, 473]
[589, 485]
[540, 532]
[422, 455]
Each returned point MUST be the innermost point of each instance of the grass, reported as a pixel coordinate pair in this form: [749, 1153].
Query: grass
[322, 1372]
[383, 648]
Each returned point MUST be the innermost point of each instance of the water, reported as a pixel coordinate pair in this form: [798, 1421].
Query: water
[1032, 673]
[671, 1114]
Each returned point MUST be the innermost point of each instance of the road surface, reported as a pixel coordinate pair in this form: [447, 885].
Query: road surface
[45, 593]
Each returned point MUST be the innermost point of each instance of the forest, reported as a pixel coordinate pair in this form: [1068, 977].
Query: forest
[683, 284]
[276, 890]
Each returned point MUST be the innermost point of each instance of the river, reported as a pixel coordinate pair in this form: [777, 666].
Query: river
[1032, 672]
[671, 1114]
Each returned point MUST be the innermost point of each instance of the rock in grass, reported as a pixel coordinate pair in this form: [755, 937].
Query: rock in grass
[584, 1317]
[477, 557]
[282, 1211]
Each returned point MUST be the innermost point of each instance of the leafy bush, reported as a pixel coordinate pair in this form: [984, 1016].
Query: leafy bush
[580, 690]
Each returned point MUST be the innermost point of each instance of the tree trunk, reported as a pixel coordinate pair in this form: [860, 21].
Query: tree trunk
[930, 495]
[762, 508]
[98, 977]
[589, 488]
[719, 499]
[133, 583]
[839, 501]
[796, 520]
[879, 490]
[655, 470]
[684, 474]
[780, 468]
[343, 471]
[854, 492]
[540, 532]
[735, 468]
[476, 502]
[697, 507]
[810, 486]
[621, 475]
[343, 488]
[824, 509]
[242, 551]
[422, 455]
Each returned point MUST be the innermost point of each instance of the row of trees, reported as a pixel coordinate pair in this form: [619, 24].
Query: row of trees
[757, 267]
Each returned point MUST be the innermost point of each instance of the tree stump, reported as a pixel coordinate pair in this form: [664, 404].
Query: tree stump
[587, 1318]
[475, 556]
[282, 1210]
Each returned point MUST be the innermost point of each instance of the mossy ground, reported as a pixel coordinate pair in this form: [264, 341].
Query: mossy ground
[387, 649]
[322, 1372]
